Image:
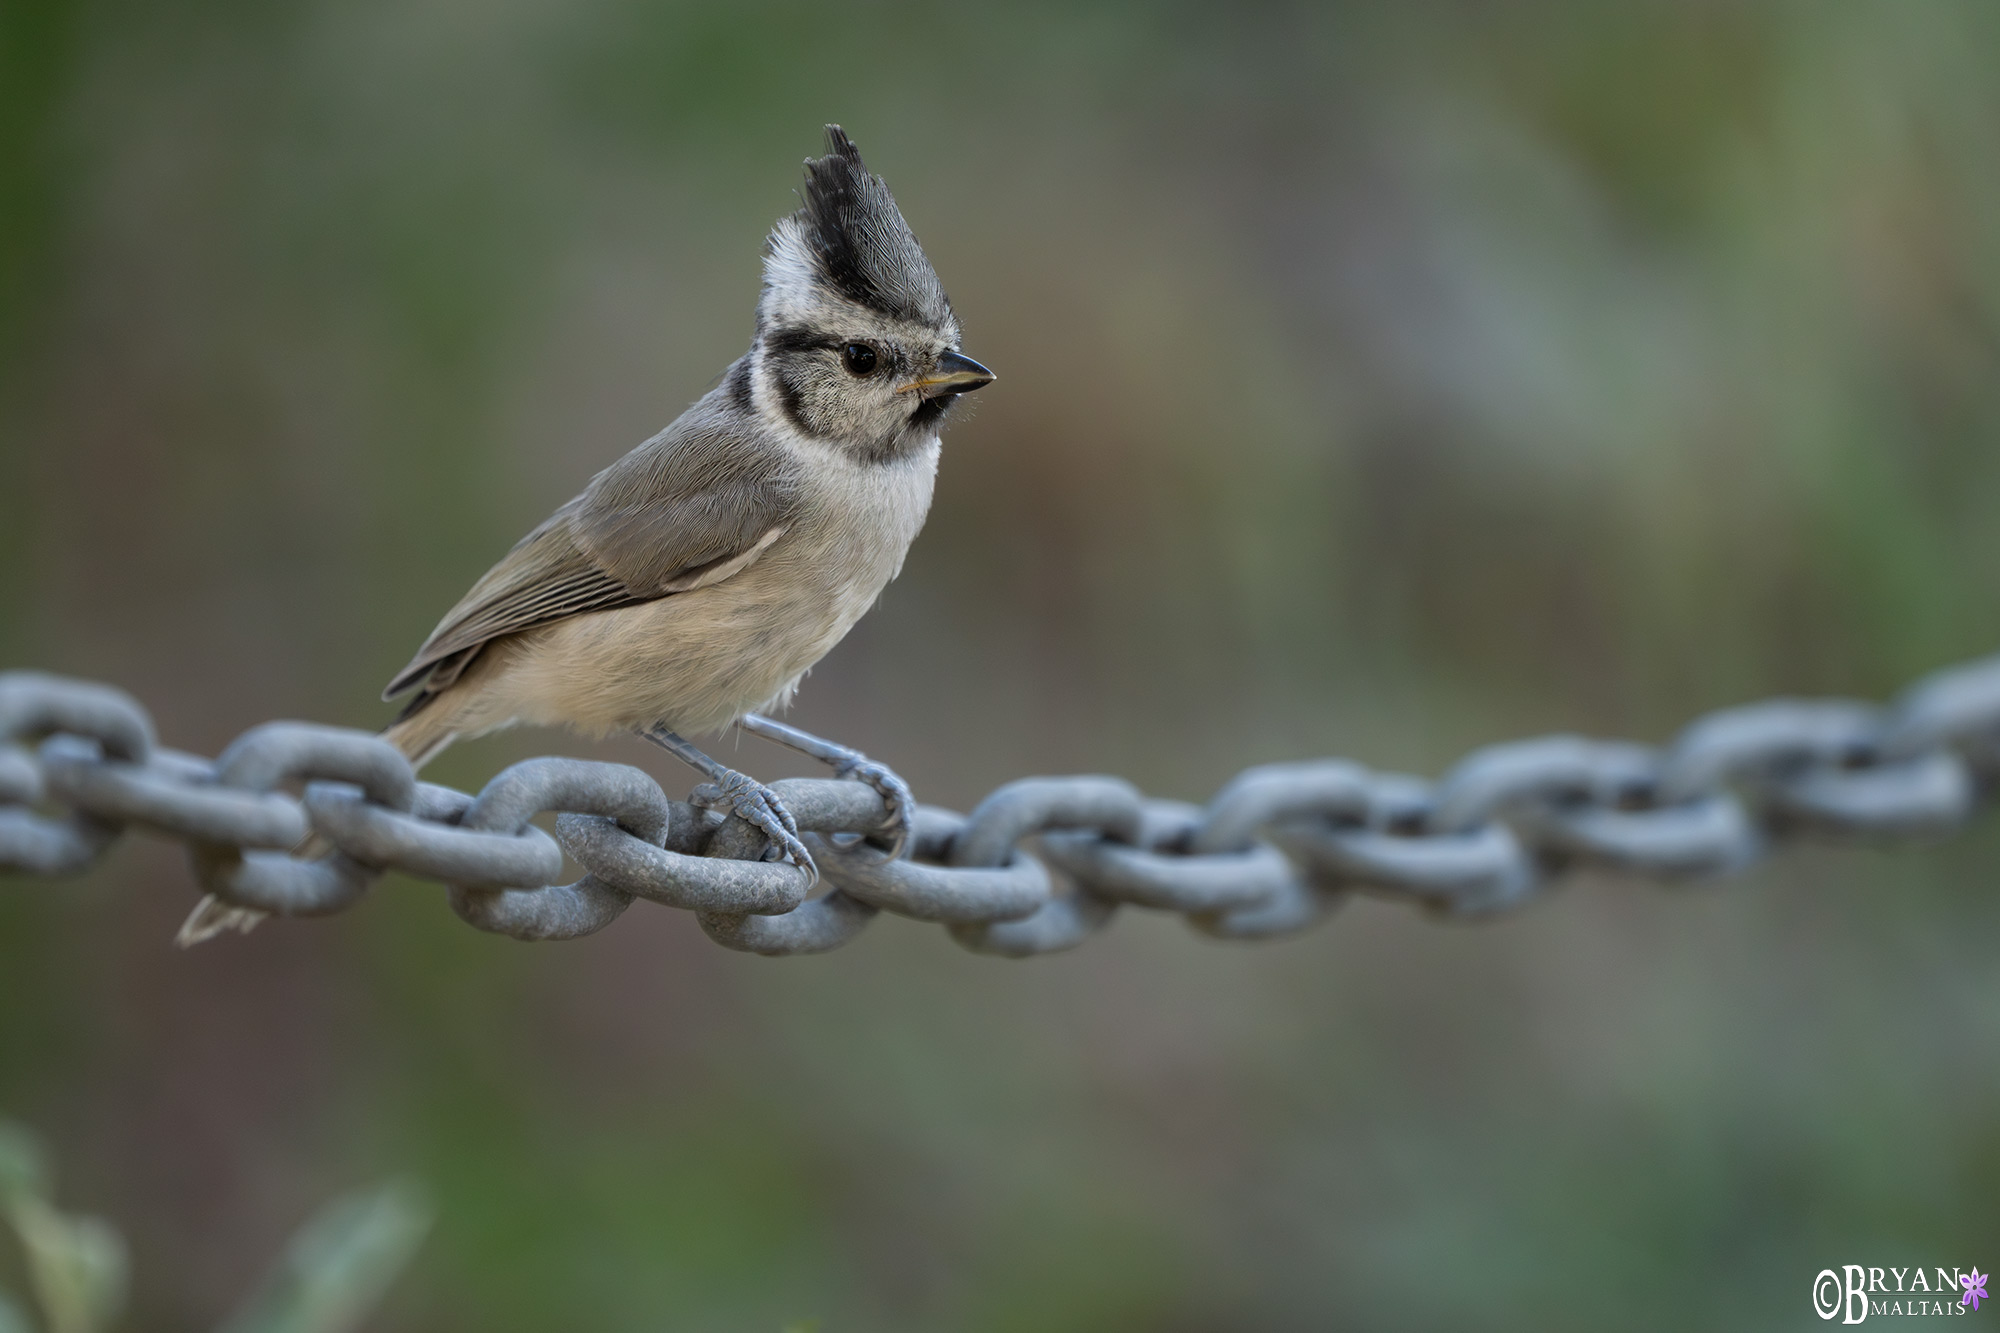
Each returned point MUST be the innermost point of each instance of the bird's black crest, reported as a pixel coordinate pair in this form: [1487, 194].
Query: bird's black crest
[859, 242]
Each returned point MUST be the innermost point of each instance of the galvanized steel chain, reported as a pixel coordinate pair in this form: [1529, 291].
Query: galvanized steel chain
[1038, 866]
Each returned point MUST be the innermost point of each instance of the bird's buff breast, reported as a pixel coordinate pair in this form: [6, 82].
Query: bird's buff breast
[697, 661]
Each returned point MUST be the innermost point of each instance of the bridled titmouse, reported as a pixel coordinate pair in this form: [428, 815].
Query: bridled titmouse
[695, 581]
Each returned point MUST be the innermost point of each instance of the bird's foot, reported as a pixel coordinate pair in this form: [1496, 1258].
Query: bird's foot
[890, 837]
[893, 835]
[755, 804]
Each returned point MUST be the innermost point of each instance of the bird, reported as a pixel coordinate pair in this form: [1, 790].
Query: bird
[693, 583]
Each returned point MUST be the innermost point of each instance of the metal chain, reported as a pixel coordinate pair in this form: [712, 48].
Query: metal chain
[1273, 852]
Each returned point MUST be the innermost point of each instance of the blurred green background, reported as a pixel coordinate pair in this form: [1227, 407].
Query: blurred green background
[1379, 380]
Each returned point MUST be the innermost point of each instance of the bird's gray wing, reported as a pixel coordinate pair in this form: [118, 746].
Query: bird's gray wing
[692, 506]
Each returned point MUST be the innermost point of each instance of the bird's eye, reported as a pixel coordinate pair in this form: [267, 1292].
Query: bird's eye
[859, 358]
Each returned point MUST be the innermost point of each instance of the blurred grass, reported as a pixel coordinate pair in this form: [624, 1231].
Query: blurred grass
[1374, 380]
[328, 1280]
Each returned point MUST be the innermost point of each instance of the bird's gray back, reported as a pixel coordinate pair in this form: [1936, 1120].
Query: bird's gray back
[703, 492]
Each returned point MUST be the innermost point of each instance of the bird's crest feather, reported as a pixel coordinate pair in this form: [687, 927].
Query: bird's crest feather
[851, 239]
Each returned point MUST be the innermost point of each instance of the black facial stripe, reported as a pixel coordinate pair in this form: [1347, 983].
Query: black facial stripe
[799, 338]
[792, 400]
[738, 385]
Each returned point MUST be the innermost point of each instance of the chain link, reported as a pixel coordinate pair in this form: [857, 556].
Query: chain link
[1040, 865]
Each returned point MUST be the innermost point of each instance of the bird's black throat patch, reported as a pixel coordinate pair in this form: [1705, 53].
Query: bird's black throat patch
[930, 413]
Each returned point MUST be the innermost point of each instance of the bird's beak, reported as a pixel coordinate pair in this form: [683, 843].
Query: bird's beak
[953, 374]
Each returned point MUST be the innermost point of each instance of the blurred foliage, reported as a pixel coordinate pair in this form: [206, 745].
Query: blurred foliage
[77, 1264]
[337, 1268]
[334, 1272]
[1375, 379]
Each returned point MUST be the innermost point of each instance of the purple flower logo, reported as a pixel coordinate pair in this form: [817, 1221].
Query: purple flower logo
[1975, 1288]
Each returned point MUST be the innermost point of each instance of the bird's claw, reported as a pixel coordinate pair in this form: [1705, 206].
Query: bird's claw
[755, 804]
[893, 836]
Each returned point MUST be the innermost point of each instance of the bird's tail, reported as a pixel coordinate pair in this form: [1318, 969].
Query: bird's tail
[421, 733]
